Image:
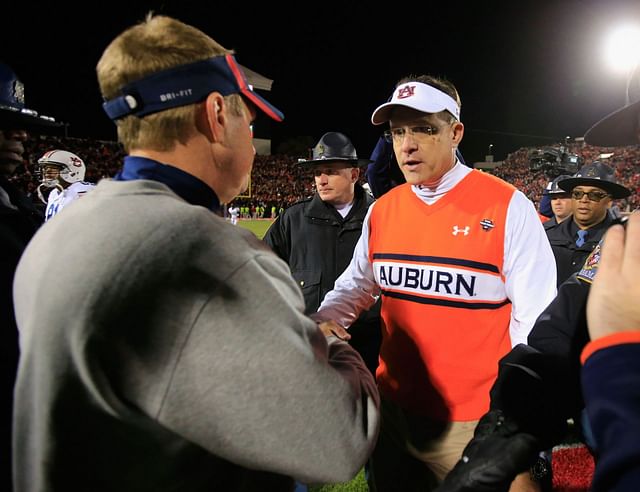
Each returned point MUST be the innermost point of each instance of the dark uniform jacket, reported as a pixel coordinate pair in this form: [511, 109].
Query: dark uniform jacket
[538, 385]
[317, 244]
[611, 382]
[17, 226]
[550, 224]
[569, 257]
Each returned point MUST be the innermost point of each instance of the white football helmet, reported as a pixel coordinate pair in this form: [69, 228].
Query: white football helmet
[72, 168]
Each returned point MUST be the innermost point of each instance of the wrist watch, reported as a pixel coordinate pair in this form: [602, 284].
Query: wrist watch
[541, 472]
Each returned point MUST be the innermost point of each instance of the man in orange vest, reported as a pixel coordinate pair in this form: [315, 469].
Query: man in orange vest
[463, 267]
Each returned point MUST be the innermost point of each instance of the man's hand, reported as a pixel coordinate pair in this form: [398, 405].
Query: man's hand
[613, 304]
[332, 328]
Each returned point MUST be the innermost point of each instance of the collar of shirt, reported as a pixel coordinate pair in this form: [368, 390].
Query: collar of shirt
[344, 210]
[593, 230]
[449, 180]
[183, 184]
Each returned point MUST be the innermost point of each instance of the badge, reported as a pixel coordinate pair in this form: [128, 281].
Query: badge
[590, 267]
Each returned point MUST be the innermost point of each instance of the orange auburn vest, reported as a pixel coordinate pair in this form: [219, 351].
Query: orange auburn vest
[445, 313]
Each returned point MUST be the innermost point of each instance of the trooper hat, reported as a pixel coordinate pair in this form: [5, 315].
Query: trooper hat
[13, 114]
[334, 147]
[554, 189]
[596, 174]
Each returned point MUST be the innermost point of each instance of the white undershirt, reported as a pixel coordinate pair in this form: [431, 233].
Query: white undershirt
[344, 210]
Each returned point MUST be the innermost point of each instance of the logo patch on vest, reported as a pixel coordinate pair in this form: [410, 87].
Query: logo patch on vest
[590, 267]
[465, 230]
[487, 224]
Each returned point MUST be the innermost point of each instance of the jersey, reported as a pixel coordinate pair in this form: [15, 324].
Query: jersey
[57, 199]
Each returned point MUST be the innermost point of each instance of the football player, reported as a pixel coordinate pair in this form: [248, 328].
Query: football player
[63, 174]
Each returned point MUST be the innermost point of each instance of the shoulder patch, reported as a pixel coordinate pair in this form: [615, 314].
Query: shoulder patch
[590, 267]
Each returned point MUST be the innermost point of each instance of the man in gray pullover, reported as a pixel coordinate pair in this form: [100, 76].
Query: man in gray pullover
[162, 348]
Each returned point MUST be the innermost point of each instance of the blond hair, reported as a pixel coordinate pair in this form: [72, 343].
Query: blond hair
[158, 43]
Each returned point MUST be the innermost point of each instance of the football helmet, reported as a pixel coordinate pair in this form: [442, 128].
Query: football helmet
[72, 168]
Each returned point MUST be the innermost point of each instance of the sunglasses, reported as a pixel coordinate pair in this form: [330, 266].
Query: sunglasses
[594, 196]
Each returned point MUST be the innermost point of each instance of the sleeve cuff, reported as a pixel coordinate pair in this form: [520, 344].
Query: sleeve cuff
[317, 317]
[608, 341]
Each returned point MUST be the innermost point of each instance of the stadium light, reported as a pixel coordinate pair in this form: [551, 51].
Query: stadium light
[621, 48]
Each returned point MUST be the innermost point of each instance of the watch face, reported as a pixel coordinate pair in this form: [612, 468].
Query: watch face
[540, 469]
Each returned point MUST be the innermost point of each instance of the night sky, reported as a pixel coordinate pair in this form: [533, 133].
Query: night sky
[528, 72]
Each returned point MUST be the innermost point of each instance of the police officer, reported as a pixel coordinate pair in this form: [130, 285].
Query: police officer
[19, 220]
[559, 202]
[317, 236]
[592, 189]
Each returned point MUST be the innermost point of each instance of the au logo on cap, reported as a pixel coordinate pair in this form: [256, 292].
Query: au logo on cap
[406, 91]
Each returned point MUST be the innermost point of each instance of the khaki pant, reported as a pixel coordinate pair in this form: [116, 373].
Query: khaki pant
[415, 453]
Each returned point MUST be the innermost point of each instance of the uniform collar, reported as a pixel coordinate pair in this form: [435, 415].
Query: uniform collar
[183, 184]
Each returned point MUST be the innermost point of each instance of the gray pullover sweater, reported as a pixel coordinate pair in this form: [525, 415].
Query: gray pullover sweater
[164, 349]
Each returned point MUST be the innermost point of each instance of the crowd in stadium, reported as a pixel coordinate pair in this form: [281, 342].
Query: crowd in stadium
[278, 181]
[515, 169]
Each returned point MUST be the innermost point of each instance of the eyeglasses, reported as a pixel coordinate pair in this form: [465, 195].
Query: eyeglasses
[398, 134]
[594, 196]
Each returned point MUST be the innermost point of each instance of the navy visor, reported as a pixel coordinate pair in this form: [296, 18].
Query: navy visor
[186, 84]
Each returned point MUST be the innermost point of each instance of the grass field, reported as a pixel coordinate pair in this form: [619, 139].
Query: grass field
[258, 227]
[358, 484]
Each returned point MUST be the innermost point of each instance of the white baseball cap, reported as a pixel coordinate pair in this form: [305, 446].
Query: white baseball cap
[418, 96]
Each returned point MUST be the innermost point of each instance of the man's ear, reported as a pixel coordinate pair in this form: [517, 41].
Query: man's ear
[458, 132]
[355, 174]
[216, 112]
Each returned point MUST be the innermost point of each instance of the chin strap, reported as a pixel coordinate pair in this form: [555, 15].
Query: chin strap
[49, 186]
